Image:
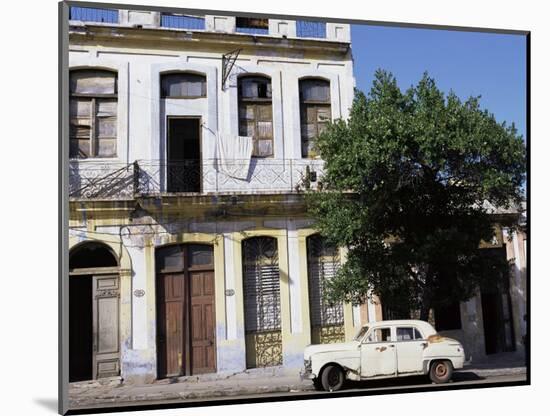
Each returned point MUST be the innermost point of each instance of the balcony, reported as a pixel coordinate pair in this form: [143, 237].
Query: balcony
[89, 179]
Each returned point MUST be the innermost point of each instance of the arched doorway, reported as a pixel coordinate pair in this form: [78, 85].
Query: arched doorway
[94, 289]
[186, 316]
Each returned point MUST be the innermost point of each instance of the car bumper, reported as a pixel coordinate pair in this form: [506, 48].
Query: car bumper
[306, 375]
[458, 362]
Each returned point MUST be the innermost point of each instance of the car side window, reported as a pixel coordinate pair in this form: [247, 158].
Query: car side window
[379, 335]
[405, 334]
[408, 334]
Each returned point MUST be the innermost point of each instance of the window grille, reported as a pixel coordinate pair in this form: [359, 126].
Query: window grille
[327, 320]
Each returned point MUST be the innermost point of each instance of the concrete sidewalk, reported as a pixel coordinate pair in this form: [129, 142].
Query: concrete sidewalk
[277, 380]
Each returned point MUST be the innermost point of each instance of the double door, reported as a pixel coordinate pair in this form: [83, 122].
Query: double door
[186, 336]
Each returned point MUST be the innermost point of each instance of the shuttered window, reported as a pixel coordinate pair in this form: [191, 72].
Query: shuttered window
[93, 113]
[315, 112]
[256, 113]
[323, 263]
[262, 298]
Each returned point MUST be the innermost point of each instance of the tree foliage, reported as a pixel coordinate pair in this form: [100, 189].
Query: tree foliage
[407, 179]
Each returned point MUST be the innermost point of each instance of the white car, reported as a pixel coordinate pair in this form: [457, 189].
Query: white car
[382, 350]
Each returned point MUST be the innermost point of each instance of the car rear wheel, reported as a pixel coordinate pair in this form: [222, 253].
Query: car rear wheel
[332, 378]
[441, 371]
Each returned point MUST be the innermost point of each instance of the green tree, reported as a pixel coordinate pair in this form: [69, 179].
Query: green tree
[407, 181]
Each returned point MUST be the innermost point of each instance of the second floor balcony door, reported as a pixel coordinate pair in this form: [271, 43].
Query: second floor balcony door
[184, 154]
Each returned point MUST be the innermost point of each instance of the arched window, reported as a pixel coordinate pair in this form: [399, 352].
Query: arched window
[182, 85]
[315, 112]
[256, 113]
[93, 113]
[262, 302]
[327, 320]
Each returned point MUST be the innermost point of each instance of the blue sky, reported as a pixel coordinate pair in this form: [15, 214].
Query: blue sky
[469, 63]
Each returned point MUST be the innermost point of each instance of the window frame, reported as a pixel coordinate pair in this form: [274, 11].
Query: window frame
[415, 330]
[204, 87]
[316, 105]
[93, 99]
[256, 102]
[371, 330]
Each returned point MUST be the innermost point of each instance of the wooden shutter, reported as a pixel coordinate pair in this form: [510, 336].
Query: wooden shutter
[93, 113]
[256, 114]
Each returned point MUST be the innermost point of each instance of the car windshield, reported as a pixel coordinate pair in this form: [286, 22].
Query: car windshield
[361, 333]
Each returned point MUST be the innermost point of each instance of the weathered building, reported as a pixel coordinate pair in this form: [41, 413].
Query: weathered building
[186, 255]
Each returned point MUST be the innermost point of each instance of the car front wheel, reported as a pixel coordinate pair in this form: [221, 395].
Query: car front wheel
[317, 384]
[332, 378]
[441, 371]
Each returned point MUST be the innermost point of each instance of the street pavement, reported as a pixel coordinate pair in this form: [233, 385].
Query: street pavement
[254, 386]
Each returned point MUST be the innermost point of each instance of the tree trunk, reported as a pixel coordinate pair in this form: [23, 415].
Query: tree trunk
[425, 311]
[426, 301]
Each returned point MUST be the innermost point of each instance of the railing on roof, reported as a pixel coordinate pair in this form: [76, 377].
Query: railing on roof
[109, 180]
[252, 30]
[308, 29]
[90, 14]
[182, 21]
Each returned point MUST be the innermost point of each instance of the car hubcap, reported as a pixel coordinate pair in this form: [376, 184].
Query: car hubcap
[441, 370]
[333, 377]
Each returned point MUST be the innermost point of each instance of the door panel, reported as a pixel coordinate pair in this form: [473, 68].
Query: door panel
[378, 359]
[203, 323]
[106, 334]
[409, 356]
[171, 324]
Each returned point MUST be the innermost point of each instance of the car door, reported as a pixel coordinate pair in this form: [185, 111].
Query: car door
[378, 353]
[409, 346]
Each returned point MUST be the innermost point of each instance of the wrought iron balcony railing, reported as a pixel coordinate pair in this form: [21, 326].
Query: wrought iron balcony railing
[107, 180]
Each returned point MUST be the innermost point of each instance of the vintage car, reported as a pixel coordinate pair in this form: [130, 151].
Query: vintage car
[384, 349]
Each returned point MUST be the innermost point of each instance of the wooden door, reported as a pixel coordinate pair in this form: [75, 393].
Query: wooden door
[106, 339]
[203, 337]
[171, 324]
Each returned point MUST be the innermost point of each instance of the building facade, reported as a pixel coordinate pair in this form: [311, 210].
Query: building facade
[189, 252]
[187, 257]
